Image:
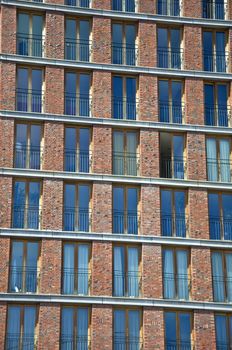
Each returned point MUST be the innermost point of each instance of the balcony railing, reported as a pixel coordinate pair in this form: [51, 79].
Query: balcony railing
[23, 279]
[170, 58]
[27, 157]
[171, 112]
[124, 5]
[126, 222]
[76, 281]
[222, 288]
[223, 345]
[125, 342]
[174, 225]
[77, 50]
[178, 345]
[125, 163]
[77, 219]
[81, 342]
[124, 107]
[169, 7]
[220, 228]
[218, 170]
[173, 168]
[78, 3]
[217, 115]
[124, 54]
[176, 286]
[79, 105]
[77, 161]
[25, 216]
[127, 284]
[30, 45]
[17, 341]
[218, 62]
[214, 9]
[29, 100]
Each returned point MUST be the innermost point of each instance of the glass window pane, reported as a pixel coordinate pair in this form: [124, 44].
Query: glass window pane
[70, 83]
[23, 24]
[13, 327]
[83, 262]
[119, 271]
[117, 33]
[175, 38]
[170, 329]
[166, 212]
[118, 210]
[22, 78]
[84, 30]
[119, 329]
[162, 38]
[168, 274]
[82, 328]
[133, 271]
[221, 334]
[71, 30]
[214, 216]
[68, 269]
[134, 329]
[16, 267]
[218, 276]
[185, 330]
[36, 79]
[67, 336]
[29, 327]
[37, 25]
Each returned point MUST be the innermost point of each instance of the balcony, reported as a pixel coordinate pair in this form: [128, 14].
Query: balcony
[214, 9]
[29, 100]
[30, 45]
[124, 54]
[174, 225]
[126, 222]
[218, 62]
[170, 58]
[220, 228]
[224, 345]
[28, 217]
[77, 161]
[76, 281]
[124, 5]
[23, 279]
[82, 342]
[124, 107]
[27, 157]
[125, 342]
[78, 50]
[77, 219]
[78, 3]
[218, 170]
[178, 345]
[18, 341]
[171, 112]
[169, 8]
[217, 115]
[176, 286]
[125, 163]
[127, 284]
[222, 288]
[173, 168]
[78, 105]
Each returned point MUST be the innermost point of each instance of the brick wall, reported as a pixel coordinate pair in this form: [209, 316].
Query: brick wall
[54, 90]
[101, 4]
[52, 205]
[54, 43]
[101, 94]
[101, 40]
[149, 153]
[196, 156]
[7, 85]
[198, 213]
[147, 6]
[153, 328]
[102, 207]
[192, 47]
[102, 268]
[204, 330]
[6, 201]
[194, 101]
[102, 150]
[148, 98]
[3, 313]
[152, 281]
[147, 44]
[192, 8]
[150, 210]
[6, 142]
[49, 326]
[9, 28]
[4, 265]
[102, 322]
[53, 151]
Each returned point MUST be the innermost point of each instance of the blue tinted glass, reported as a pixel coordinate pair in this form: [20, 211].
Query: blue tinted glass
[166, 202]
[22, 78]
[70, 32]
[84, 139]
[117, 33]
[83, 195]
[70, 196]
[214, 205]
[23, 24]
[70, 83]
[214, 216]
[131, 87]
[117, 86]
[118, 199]
[130, 34]
[132, 199]
[70, 139]
[163, 90]
[84, 84]
[208, 42]
[84, 30]
[36, 79]
[162, 38]
[176, 91]
[19, 193]
[34, 193]
[222, 94]
[175, 39]
[179, 202]
[185, 329]
[221, 334]
[170, 329]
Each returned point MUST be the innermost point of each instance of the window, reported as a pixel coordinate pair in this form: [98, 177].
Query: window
[29, 34]
[216, 107]
[214, 48]
[175, 273]
[214, 9]
[173, 217]
[77, 153]
[172, 162]
[24, 272]
[223, 325]
[127, 326]
[220, 216]
[170, 101]
[125, 210]
[169, 48]
[222, 276]
[124, 50]
[28, 146]
[168, 7]
[78, 3]
[75, 328]
[26, 204]
[76, 207]
[29, 95]
[77, 45]
[124, 5]
[125, 156]
[21, 324]
[124, 98]
[77, 94]
[178, 327]
[76, 274]
[218, 159]
[126, 271]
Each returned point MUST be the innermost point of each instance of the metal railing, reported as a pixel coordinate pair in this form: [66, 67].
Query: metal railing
[78, 50]
[126, 342]
[217, 115]
[218, 62]
[178, 345]
[214, 10]
[124, 5]
[170, 57]
[169, 7]
[174, 168]
[126, 222]
[222, 288]
[218, 170]
[23, 279]
[174, 225]
[223, 345]
[80, 342]
[127, 284]
[30, 44]
[220, 228]
[124, 54]
[176, 286]
[77, 219]
[29, 157]
[171, 112]
[17, 341]
[124, 107]
[29, 100]
[78, 3]
[26, 216]
[77, 161]
[79, 105]
[125, 163]
[76, 281]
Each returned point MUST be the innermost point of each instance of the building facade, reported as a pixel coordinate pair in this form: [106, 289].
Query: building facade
[115, 175]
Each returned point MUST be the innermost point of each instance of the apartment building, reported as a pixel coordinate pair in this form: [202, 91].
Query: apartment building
[115, 175]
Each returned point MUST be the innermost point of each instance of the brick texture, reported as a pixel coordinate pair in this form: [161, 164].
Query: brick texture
[205, 338]
[7, 85]
[196, 155]
[147, 44]
[148, 98]
[52, 209]
[102, 146]
[192, 47]
[198, 213]
[102, 269]
[53, 152]
[150, 210]
[149, 153]
[49, 327]
[194, 101]
[101, 4]
[4, 264]
[54, 35]
[54, 96]
[8, 29]
[152, 271]
[147, 6]
[6, 142]
[102, 207]
[6, 201]
[3, 313]
[192, 8]
[101, 40]
[102, 323]
[153, 328]
[101, 94]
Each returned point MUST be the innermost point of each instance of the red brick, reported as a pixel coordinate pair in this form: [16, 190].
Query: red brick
[192, 8]
[4, 264]
[54, 43]
[147, 6]
[49, 327]
[102, 269]
[6, 201]
[153, 328]
[194, 101]
[101, 40]
[7, 85]
[52, 210]
[54, 97]
[147, 44]
[148, 98]
[102, 207]
[149, 153]
[101, 4]
[102, 323]
[101, 94]
[152, 277]
[192, 47]
[198, 214]
[8, 29]
[53, 152]
[150, 210]
[102, 150]
[6, 142]
[196, 155]
[3, 313]
[205, 338]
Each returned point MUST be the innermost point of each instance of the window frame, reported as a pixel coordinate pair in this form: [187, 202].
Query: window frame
[223, 253]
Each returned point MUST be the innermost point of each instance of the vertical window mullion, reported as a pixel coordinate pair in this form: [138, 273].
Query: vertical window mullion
[77, 103]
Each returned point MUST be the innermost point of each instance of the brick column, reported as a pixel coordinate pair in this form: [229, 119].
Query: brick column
[153, 328]
[102, 326]
[201, 275]
[149, 153]
[102, 207]
[6, 201]
[101, 4]
[49, 327]
[229, 48]
[52, 211]
[192, 47]
[152, 283]
[3, 324]
[53, 152]
[8, 18]
[196, 156]
[192, 8]
[54, 41]
[101, 94]
[7, 86]
[204, 328]
[54, 94]
[50, 270]
[198, 213]
[150, 210]
[101, 40]
[148, 98]
[147, 44]
[229, 10]
[4, 264]
[6, 142]
[102, 150]
[194, 101]
[147, 6]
